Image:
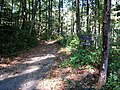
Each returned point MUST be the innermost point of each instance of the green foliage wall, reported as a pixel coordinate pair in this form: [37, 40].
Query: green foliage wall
[14, 40]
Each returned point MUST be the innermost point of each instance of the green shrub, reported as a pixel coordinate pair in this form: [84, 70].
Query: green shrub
[70, 41]
[13, 40]
[83, 57]
[113, 80]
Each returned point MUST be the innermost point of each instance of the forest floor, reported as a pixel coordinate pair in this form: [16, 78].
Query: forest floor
[39, 69]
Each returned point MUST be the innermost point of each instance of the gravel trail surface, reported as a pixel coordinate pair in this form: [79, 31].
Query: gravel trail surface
[29, 68]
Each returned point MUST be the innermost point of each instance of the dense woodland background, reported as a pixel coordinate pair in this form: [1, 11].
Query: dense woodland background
[77, 24]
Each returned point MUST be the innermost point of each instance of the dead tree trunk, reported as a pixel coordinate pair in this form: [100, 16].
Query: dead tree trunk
[105, 45]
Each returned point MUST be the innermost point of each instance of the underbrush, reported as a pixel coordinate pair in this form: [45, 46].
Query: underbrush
[70, 41]
[14, 40]
[90, 57]
[113, 80]
[82, 57]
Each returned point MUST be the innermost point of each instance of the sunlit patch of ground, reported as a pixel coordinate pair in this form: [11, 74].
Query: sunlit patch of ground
[52, 41]
[29, 85]
[36, 59]
[19, 72]
[50, 84]
[66, 51]
[29, 69]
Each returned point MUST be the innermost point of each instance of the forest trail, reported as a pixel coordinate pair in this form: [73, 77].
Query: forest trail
[24, 72]
[38, 69]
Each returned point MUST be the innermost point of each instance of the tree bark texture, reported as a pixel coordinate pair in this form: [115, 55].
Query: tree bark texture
[88, 17]
[34, 13]
[59, 20]
[105, 44]
[24, 12]
[77, 17]
[40, 21]
[62, 18]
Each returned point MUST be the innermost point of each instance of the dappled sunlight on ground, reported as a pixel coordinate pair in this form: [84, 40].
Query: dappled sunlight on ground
[4, 65]
[36, 59]
[29, 85]
[24, 71]
[52, 41]
[33, 64]
[40, 69]
[66, 51]
[51, 84]
[31, 69]
[3, 76]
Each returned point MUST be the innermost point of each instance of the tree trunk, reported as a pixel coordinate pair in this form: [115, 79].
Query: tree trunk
[46, 21]
[34, 13]
[59, 20]
[88, 17]
[24, 12]
[98, 16]
[72, 20]
[11, 12]
[29, 9]
[19, 19]
[32, 9]
[62, 18]
[40, 26]
[106, 37]
[1, 6]
[77, 17]
[51, 16]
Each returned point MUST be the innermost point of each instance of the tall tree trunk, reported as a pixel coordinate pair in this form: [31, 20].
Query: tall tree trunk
[12, 11]
[29, 9]
[72, 20]
[46, 20]
[34, 13]
[95, 30]
[59, 20]
[62, 18]
[24, 12]
[12, 4]
[40, 26]
[98, 16]
[49, 17]
[32, 9]
[105, 46]
[1, 6]
[19, 19]
[77, 17]
[88, 30]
